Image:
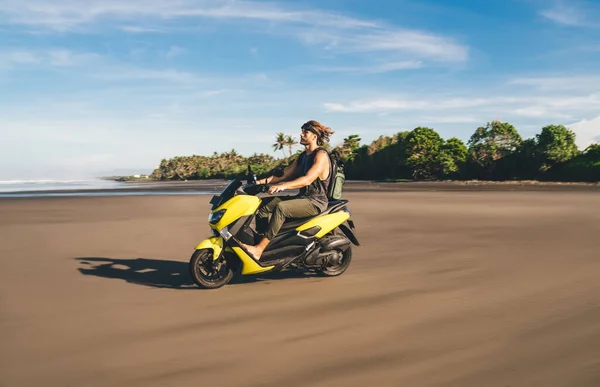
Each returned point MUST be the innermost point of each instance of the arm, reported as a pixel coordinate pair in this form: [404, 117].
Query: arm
[321, 162]
[287, 174]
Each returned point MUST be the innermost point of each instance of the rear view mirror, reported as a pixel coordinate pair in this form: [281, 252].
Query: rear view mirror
[251, 176]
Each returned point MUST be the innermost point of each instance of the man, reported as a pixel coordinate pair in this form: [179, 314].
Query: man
[309, 173]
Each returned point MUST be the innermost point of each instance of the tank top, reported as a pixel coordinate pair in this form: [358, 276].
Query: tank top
[316, 192]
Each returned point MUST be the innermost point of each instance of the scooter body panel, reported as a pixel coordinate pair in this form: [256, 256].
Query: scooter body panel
[326, 222]
[235, 208]
[249, 265]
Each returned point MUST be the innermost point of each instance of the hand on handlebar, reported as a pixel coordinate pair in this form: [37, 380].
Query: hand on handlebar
[277, 188]
[254, 189]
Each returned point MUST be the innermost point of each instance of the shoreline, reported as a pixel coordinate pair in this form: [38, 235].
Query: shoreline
[213, 187]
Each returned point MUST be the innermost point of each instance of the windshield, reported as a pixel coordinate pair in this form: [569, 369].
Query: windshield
[227, 193]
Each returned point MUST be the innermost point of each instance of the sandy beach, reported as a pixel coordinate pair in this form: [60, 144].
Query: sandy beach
[451, 287]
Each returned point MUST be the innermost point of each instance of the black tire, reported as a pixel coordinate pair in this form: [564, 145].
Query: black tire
[205, 277]
[339, 269]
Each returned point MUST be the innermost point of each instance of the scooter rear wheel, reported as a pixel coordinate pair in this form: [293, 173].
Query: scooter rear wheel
[209, 274]
[341, 267]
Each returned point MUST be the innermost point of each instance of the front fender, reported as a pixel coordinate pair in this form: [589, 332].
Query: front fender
[214, 243]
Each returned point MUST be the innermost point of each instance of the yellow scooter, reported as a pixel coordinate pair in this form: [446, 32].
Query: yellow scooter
[320, 244]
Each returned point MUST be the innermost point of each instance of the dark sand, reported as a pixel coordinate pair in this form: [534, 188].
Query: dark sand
[450, 288]
[215, 186]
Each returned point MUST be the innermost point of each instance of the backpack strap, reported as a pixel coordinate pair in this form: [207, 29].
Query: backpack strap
[332, 170]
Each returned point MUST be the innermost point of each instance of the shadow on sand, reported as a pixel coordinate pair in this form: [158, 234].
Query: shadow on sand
[159, 273]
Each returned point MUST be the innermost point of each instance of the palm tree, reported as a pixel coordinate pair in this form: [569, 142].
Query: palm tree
[351, 143]
[348, 147]
[290, 142]
[280, 142]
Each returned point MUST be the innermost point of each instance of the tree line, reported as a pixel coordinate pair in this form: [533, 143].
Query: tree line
[495, 151]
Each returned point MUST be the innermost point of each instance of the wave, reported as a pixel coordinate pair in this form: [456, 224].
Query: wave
[47, 181]
[53, 184]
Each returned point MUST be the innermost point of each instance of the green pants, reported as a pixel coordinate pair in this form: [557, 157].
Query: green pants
[282, 208]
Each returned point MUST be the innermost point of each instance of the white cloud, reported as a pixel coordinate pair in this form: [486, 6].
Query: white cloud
[49, 57]
[564, 15]
[572, 13]
[408, 103]
[96, 66]
[63, 58]
[19, 57]
[175, 51]
[335, 32]
[374, 68]
[529, 111]
[68, 14]
[374, 105]
[526, 105]
[539, 112]
[409, 41]
[141, 30]
[579, 83]
[388, 40]
[450, 119]
[130, 73]
[587, 132]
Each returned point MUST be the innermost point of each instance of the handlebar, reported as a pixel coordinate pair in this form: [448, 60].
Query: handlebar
[255, 189]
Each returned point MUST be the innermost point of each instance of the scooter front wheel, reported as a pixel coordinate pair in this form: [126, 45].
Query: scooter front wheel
[206, 272]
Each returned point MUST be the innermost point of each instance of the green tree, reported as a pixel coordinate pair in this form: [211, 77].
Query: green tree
[492, 143]
[593, 152]
[423, 153]
[527, 160]
[349, 146]
[497, 150]
[556, 144]
[352, 142]
[583, 167]
[453, 156]
[384, 158]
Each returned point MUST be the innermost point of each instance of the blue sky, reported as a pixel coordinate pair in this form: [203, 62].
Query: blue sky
[90, 87]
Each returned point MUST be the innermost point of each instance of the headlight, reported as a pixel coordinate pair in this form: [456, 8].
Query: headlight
[216, 216]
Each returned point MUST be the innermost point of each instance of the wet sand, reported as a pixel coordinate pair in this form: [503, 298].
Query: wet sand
[450, 288]
[214, 186]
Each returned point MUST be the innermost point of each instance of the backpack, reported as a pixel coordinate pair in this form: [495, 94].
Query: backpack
[337, 176]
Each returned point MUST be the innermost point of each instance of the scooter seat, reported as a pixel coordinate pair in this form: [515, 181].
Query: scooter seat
[293, 223]
[296, 222]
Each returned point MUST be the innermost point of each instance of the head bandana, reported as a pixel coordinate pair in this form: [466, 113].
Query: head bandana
[309, 128]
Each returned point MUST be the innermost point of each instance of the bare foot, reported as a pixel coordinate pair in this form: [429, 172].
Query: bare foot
[255, 252]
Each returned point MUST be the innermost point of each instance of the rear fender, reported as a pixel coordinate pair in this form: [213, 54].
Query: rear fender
[214, 243]
[347, 230]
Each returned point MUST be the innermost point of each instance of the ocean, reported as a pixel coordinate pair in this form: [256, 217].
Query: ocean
[57, 185]
[97, 187]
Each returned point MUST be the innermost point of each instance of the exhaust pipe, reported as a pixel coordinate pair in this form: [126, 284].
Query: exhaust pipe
[336, 243]
[317, 258]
